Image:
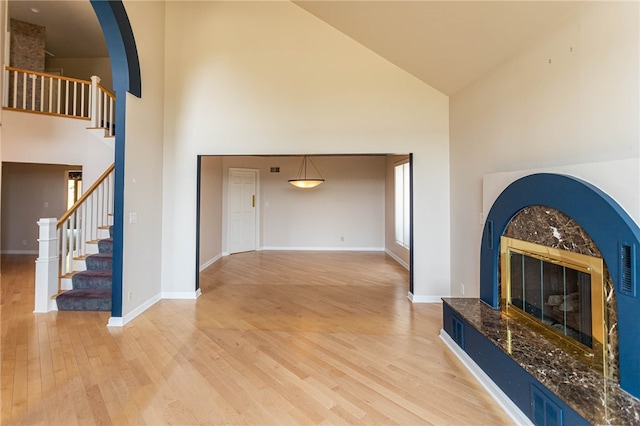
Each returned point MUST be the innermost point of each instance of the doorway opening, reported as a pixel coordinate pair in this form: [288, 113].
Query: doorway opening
[353, 210]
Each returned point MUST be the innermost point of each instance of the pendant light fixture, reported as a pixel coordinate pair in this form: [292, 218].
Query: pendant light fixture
[302, 181]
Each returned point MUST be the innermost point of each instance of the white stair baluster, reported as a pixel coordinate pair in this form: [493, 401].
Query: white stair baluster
[42, 93]
[24, 90]
[75, 98]
[15, 89]
[50, 95]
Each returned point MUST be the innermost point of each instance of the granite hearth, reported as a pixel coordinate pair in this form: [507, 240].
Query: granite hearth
[599, 400]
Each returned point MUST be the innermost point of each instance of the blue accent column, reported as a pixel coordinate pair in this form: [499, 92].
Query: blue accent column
[608, 225]
[126, 78]
[411, 223]
[198, 204]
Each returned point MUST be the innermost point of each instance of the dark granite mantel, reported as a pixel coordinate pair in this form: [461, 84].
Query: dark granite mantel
[598, 399]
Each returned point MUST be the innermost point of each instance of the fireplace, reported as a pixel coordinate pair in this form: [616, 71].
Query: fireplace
[556, 324]
[558, 293]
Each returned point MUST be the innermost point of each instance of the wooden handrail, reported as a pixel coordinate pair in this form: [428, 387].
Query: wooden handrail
[105, 90]
[86, 195]
[58, 77]
[54, 114]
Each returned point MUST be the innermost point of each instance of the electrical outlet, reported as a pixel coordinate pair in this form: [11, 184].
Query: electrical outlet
[129, 295]
[462, 288]
[342, 239]
[133, 217]
[24, 242]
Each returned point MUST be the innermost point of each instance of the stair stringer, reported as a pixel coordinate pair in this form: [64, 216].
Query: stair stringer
[101, 134]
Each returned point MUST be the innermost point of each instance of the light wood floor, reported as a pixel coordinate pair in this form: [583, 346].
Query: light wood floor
[275, 338]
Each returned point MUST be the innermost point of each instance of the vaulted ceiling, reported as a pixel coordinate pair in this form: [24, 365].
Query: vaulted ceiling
[72, 28]
[446, 44]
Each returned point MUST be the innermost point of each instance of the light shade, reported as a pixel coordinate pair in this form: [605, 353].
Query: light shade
[305, 183]
[302, 181]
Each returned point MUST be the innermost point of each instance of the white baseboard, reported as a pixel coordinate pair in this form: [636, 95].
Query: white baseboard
[51, 306]
[424, 299]
[120, 321]
[210, 262]
[19, 251]
[397, 259]
[186, 295]
[494, 391]
[323, 248]
[115, 322]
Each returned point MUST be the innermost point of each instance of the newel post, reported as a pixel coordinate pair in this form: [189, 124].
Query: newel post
[47, 265]
[95, 102]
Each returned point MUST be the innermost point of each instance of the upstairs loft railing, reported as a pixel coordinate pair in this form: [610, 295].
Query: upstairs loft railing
[79, 226]
[43, 93]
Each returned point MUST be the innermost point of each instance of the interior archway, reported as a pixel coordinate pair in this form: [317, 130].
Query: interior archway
[126, 78]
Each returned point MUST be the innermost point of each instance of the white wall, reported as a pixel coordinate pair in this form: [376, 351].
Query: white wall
[210, 210]
[143, 170]
[269, 78]
[568, 103]
[346, 212]
[47, 139]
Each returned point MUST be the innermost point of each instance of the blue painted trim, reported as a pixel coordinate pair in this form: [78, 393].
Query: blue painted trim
[125, 68]
[510, 377]
[411, 223]
[605, 222]
[122, 45]
[198, 206]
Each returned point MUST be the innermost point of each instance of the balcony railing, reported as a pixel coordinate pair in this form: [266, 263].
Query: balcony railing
[43, 93]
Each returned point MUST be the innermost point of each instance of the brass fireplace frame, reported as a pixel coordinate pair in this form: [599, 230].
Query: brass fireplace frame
[594, 357]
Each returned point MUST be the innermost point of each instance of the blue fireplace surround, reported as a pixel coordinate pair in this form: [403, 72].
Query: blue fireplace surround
[617, 237]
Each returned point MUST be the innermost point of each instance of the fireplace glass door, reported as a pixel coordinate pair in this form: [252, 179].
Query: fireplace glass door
[557, 295]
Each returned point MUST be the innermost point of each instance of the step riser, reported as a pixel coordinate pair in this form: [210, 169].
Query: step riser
[100, 262]
[79, 265]
[94, 284]
[88, 280]
[105, 246]
[66, 284]
[84, 300]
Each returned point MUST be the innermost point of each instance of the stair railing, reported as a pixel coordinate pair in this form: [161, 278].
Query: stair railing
[65, 240]
[43, 93]
[79, 225]
[103, 109]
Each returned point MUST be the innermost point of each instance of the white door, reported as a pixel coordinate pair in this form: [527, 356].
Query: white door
[242, 210]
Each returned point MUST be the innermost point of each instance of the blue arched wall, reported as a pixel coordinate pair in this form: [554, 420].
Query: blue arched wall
[126, 78]
[604, 220]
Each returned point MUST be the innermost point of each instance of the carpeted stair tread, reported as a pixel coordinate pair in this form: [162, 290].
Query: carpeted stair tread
[91, 288]
[92, 279]
[100, 261]
[105, 245]
[84, 300]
